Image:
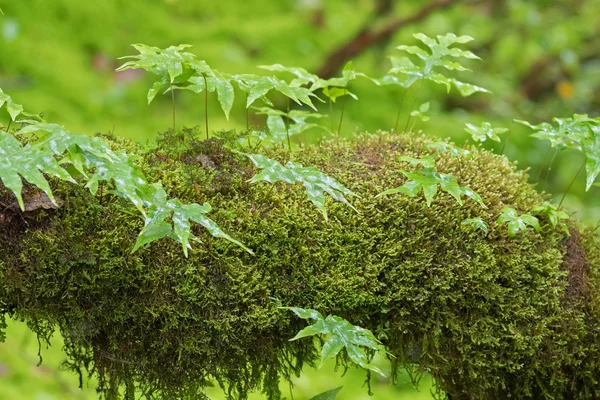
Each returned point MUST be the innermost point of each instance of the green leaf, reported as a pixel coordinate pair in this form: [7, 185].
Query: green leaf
[427, 161]
[591, 149]
[569, 132]
[160, 209]
[440, 51]
[476, 223]
[315, 182]
[423, 108]
[340, 334]
[517, 223]
[555, 216]
[19, 162]
[428, 179]
[170, 65]
[278, 130]
[13, 108]
[257, 87]
[445, 147]
[328, 395]
[484, 132]
[303, 77]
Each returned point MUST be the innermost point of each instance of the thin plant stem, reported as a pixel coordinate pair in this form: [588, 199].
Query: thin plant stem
[400, 110]
[414, 102]
[597, 227]
[331, 114]
[550, 166]
[537, 178]
[205, 104]
[571, 184]
[341, 118]
[287, 126]
[173, 102]
[507, 137]
[247, 118]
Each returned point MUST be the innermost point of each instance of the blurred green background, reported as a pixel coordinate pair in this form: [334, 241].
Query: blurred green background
[541, 59]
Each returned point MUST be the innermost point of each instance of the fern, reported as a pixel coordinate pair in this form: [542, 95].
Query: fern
[580, 133]
[160, 209]
[13, 108]
[476, 223]
[170, 65]
[340, 335]
[441, 55]
[96, 162]
[315, 182]
[517, 223]
[27, 162]
[445, 147]
[279, 129]
[484, 132]
[555, 216]
[428, 179]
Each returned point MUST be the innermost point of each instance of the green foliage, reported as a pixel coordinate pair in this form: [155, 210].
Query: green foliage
[160, 210]
[580, 133]
[315, 182]
[93, 155]
[445, 147]
[477, 297]
[476, 223]
[441, 56]
[428, 179]
[170, 65]
[216, 81]
[257, 87]
[279, 129]
[27, 162]
[340, 335]
[328, 395]
[13, 108]
[420, 113]
[484, 132]
[517, 223]
[554, 215]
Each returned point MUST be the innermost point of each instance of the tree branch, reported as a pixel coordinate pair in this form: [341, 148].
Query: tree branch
[366, 38]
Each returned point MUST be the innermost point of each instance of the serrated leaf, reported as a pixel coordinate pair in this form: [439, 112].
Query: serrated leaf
[340, 335]
[443, 147]
[161, 209]
[569, 132]
[477, 223]
[19, 162]
[257, 87]
[428, 179]
[440, 50]
[328, 395]
[484, 132]
[13, 108]
[315, 182]
[555, 216]
[517, 223]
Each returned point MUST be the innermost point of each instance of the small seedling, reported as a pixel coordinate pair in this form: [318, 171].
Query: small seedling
[476, 223]
[517, 223]
[315, 182]
[340, 335]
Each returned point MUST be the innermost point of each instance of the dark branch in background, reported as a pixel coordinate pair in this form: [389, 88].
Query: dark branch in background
[367, 37]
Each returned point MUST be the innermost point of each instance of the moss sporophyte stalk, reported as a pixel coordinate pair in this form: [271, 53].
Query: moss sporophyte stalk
[172, 266]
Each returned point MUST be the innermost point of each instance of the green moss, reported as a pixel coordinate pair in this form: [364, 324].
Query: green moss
[489, 316]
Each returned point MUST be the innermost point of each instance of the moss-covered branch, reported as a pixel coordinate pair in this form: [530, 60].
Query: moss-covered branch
[491, 316]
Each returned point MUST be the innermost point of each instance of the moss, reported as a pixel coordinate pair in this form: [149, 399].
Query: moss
[489, 316]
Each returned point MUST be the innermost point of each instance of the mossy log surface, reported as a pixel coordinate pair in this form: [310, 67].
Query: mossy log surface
[488, 315]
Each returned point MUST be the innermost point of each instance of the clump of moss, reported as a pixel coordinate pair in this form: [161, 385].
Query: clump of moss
[489, 316]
